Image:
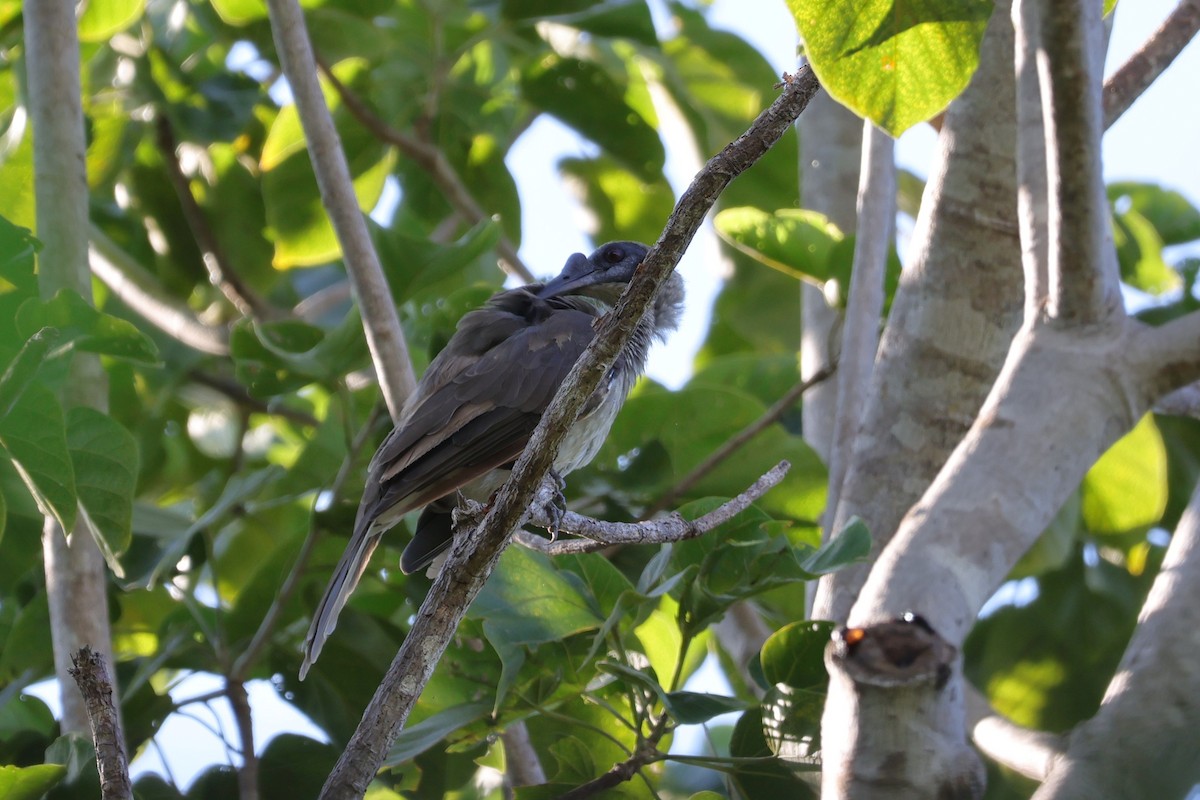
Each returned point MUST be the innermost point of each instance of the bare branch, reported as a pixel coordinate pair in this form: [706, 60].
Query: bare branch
[385, 338]
[1136, 75]
[622, 771]
[1183, 402]
[472, 558]
[1084, 280]
[220, 273]
[247, 774]
[521, 759]
[431, 159]
[1033, 188]
[74, 566]
[864, 306]
[138, 289]
[741, 438]
[672, 528]
[1132, 747]
[1029, 752]
[830, 157]
[91, 675]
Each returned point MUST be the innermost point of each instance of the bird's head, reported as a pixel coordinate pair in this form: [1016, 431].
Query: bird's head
[612, 263]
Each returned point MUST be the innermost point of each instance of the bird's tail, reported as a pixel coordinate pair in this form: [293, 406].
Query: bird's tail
[345, 578]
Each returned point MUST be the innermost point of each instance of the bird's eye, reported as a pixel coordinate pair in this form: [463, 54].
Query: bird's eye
[614, 255]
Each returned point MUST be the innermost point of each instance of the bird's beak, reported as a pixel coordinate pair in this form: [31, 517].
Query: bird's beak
[578, 271]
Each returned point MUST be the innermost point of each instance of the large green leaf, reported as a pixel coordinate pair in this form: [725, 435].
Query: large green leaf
[896, 62]
[105, 459]
[29, 783]
[416, 739]
[86, 328]
[586, 97]
[527, 601]
[33, 435]
[1175, 219]
[794, 655]
[101, 19]
[794, 241]
[1126, 490]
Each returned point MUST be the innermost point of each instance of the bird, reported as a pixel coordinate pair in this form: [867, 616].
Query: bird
[477, 404]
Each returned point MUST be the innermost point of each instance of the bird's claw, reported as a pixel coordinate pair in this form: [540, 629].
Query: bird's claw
[555, 505]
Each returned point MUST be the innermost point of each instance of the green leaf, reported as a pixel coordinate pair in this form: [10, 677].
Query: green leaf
[21, 370]
[693, 708]
[29, 783]
[105, 458]
[416, 739]
[102, 19]
[852, 544]
[896, 62]
[34, 435]
[1175, 219]
[17, 249]
[294, 766]
[768, 776]
[86, 328]
[795, 241]
[795, 655]
[1140, 255]
[792, 722]
[240, 12]
[587, 98]
[16, 176]
[527, 601]
[1126, 490]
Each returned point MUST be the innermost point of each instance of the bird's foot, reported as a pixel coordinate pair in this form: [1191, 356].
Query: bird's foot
[467, 513]
[554, 504]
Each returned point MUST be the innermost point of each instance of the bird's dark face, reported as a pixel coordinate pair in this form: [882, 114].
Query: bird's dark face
[614, 262]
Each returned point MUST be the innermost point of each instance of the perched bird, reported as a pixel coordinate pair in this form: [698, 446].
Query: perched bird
[476, 406]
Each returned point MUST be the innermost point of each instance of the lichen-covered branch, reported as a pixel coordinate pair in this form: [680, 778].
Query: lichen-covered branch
[92, 678]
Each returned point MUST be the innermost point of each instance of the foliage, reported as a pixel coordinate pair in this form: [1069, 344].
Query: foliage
[211, 474]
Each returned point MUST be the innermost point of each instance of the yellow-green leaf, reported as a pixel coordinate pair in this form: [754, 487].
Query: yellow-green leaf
[895, 62]
[1126, 490]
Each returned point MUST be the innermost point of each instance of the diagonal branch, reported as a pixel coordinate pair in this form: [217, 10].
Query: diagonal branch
[385, 338]
[472, 558]
[220, 273]
[433, 161]
[1136, 75]
[138, 289]
[1084, 280]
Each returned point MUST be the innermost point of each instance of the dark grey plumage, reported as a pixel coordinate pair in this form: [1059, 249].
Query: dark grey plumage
[479, 401]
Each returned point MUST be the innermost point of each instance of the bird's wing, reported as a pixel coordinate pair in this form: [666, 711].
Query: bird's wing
[474, 411]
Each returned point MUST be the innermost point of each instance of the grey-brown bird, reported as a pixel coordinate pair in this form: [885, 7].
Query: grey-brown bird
[477, 404]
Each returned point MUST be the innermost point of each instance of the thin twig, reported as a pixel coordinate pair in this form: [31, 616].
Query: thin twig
[741, 438]
[646, 754]
[472, 558]
[434, 163]
[1137, 74]
[96, 686]
[520, 757]
[385, 337]
[672, 528]
[247, 774]
[220, 273]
